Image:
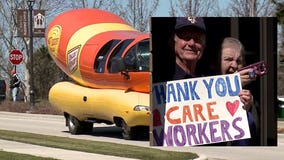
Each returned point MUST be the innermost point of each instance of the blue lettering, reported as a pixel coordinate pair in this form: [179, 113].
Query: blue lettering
[171, 93]
[208, 87]
[194, 95]
[237, 84]
[220, 87]
[182, 91]
[160, 94]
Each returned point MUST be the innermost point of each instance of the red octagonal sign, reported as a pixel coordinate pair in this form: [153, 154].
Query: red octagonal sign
[16, 57]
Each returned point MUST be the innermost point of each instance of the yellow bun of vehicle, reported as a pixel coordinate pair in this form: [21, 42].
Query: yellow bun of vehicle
[82, 106]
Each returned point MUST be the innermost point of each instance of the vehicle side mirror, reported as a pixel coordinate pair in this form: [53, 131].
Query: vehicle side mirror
[117, 65]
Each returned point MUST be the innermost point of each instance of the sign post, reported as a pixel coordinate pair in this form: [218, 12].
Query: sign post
[31, 47]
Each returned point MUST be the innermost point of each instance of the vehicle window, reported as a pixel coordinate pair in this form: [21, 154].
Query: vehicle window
[103, 54]
[138, 57]
[117, 52]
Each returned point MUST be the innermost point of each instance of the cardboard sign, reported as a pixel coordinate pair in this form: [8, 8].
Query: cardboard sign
[198, 111]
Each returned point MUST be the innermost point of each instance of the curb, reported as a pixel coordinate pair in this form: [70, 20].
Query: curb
[201, 157]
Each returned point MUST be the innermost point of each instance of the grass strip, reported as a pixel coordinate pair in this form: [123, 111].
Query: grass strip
[18, 156]
[106, 148]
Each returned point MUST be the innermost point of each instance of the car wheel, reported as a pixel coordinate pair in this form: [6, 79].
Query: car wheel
[74, 125]
[127, 132]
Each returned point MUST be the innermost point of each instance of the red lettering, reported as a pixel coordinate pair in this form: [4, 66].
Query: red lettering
[211, 110]
[193, 114]
[186, 113]
[168, 115]
[197, 108]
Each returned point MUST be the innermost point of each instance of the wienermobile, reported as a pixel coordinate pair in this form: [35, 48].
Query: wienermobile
[108, 61]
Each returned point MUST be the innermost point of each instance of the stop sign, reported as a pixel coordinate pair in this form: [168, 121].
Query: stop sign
[16, 57]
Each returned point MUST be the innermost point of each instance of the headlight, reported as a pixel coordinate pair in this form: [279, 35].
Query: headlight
[141, 108]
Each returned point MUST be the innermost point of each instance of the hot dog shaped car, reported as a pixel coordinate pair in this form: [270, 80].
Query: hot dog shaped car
[109, 63]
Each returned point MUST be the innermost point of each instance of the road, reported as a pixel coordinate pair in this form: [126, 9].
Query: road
[54, 125]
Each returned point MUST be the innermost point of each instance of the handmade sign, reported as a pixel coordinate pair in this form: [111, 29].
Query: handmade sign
[198, 111]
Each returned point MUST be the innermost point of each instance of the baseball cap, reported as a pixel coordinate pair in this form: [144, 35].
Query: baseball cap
[190, 21]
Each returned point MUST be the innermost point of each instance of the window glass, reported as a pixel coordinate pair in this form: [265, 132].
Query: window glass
[117, 52]
[103, 54]
[138, 57]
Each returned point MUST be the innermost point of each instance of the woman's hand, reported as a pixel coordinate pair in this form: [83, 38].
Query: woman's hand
[247, 76]
[246, 98]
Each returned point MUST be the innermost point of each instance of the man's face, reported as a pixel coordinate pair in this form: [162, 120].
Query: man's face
[231, 60]
[189, 43]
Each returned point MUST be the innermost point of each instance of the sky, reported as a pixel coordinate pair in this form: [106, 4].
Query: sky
[163, 9]
[164, 5]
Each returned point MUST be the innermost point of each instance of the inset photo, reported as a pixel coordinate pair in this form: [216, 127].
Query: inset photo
[213, 81]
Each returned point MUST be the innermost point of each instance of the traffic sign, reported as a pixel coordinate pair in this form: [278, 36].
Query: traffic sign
[16, 57]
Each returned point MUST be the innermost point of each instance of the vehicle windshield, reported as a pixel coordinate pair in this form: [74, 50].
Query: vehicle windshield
[138, 57]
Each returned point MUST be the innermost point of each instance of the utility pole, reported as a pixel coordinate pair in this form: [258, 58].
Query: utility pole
[30, 5]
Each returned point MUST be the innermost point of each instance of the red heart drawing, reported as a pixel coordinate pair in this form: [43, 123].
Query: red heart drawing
[232, 107]
[156, 118]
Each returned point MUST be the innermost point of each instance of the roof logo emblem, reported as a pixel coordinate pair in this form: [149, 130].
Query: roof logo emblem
[192, 19]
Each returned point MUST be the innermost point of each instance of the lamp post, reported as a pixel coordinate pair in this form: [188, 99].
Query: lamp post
[30, 5]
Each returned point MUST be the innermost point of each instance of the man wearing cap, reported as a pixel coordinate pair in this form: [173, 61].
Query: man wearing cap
[188, 43]
[15, 84]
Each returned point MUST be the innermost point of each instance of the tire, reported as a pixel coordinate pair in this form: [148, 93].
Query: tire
[77, 127]
[74, 125]
[127, 132]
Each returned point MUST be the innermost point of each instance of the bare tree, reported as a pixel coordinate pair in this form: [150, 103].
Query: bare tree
[136, 12]
[251, 8]
[10, 40]
[99, 4]
[8, 33]
[192, 7]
